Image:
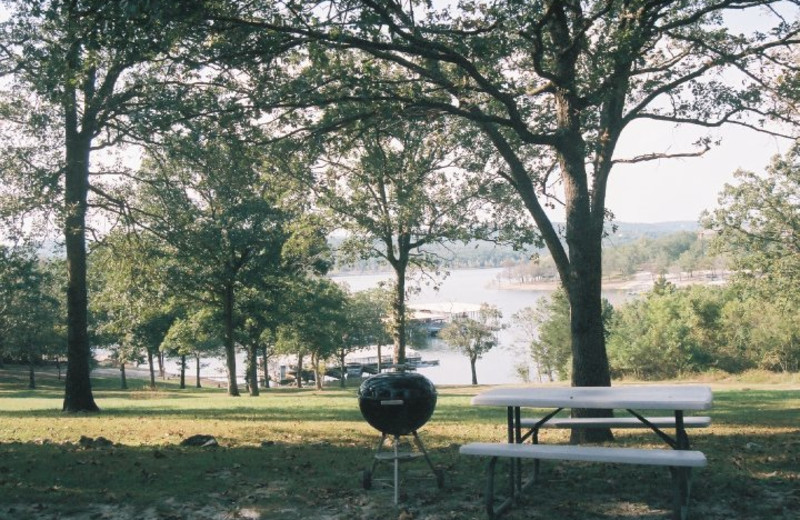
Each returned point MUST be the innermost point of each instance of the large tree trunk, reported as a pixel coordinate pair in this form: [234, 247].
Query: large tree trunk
[583, 287]
[152, 368]
[197, 369]
[583, 283]
[183, 371]
[123, 380]
[580, 269]
[252, 369]
[230, 347]
[399, 314]
[77, 387]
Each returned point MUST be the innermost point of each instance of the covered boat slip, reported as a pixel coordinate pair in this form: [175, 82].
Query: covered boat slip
[634, 400]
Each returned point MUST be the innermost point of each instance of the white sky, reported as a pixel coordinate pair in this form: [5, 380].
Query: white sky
[680, 189]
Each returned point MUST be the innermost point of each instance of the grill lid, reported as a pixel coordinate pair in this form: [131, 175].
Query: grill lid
[397, 403]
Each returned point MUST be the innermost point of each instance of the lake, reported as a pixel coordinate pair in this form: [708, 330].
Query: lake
[475, 286]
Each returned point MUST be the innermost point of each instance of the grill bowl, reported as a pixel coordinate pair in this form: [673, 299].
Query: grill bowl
[397, 403]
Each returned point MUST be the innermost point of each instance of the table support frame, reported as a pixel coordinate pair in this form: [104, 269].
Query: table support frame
[681, 477]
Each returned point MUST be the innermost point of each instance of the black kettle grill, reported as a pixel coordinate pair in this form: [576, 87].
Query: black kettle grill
[397, 404]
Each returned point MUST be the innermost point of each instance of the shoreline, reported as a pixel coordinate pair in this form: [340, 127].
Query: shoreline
[641, 282]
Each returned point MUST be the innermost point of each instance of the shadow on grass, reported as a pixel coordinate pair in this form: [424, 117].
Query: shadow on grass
[295, 480]
[70, 474]
[747, 477]
[268, 412]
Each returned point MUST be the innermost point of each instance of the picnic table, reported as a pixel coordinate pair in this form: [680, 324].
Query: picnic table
[636, 401]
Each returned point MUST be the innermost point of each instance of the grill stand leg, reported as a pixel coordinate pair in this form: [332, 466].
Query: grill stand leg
[397, 457]
[424, 452]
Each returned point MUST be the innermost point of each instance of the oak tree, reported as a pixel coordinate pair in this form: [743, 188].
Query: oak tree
[552, 86]
[81, 71]
[225, 219]
[397, 189]
[473, 336]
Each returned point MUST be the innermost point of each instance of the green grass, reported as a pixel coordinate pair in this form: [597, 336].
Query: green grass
[299, 454]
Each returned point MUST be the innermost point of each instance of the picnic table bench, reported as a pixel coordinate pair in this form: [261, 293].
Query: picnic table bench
[680, 459]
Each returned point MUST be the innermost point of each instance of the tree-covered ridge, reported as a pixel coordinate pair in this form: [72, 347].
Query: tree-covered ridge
[681, 255]
[479, 254]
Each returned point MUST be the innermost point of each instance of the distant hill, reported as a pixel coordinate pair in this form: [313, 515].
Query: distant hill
[655, 229]
[625, 232]
[481, 254]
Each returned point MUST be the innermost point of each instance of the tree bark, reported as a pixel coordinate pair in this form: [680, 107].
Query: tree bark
[265, 367]
[579, 266]
[152, 368]
[123, 380]
[318, 372]
[343, 368]
[230, 347]
[472, 361]
[299, 373]
[183, 371]
[252, 369]
[197, 370]
[77, 387]
[583, 283]
[162, 373]
[399, 305]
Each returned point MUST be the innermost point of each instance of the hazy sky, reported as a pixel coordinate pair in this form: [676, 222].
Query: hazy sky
[680, 189]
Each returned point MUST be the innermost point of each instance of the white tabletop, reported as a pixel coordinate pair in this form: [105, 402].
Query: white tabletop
[653, 397]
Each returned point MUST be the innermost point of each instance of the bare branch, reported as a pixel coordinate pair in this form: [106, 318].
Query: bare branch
[657, 156]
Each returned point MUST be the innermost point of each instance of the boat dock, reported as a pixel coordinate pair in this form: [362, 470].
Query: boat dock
[369, 364]
[435, 316]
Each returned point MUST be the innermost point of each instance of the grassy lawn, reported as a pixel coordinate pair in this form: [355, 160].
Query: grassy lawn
[300, 453]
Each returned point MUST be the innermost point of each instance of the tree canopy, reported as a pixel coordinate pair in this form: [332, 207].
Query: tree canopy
[398, 189]
[473, 336]
[77, 76]
[757, 226]
[226, 220]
